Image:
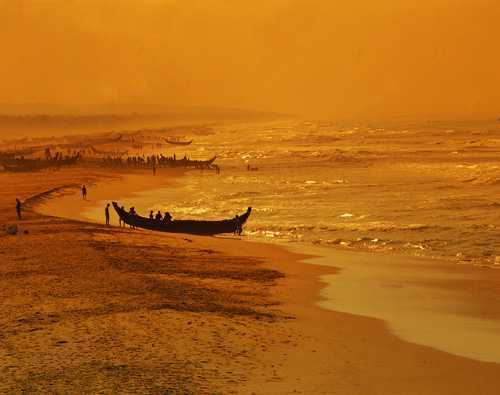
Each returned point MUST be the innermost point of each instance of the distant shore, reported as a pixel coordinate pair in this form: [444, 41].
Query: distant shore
[320, 349]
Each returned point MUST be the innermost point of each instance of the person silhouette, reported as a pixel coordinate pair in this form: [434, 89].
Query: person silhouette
[84, 192]
[18, 208]
[106, 213]
[238, 229]
[120, 218]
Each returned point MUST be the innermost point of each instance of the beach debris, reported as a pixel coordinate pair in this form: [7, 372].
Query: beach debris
[11, 230]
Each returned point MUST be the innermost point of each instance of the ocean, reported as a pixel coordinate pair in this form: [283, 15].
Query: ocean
[399, 193]
[429, 190]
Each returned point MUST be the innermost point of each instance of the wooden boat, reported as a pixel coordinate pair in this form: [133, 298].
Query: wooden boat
[177, 142]
[28, 165]
[184, 162]
[14, 153]
[183, 226]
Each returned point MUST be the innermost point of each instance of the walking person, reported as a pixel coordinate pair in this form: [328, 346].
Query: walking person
[106, 213]
[84, 192]
[18, 209]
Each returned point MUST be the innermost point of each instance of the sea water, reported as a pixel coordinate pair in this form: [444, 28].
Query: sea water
[429, 190]
[424, 190]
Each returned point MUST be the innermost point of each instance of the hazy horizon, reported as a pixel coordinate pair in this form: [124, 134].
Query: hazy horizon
[318, 59]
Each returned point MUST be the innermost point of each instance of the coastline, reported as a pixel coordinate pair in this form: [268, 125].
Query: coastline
[331, 352]
[383, 286]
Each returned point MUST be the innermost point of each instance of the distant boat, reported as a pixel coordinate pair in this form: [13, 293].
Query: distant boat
[184, 162]
[177, 142]
[183, 226]
[29, 165]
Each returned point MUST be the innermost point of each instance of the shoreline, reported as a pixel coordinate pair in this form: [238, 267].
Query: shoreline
[427, 322]
[332, 352]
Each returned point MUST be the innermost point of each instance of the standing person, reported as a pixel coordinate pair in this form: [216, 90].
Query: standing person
[154, 169]
[18, 208]
[151, 215]
[120, 218]
[106, 213]
[84, 192]
[237, 230]
[132, 214]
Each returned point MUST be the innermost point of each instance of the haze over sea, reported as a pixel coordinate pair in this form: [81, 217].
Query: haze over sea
[424, 190]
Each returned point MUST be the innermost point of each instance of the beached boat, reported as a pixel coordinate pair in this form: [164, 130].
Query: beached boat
[183, 226]
[28, 165]
[184, 162]
[177, 142]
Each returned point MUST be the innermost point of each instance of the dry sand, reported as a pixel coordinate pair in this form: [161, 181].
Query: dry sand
[88, 308]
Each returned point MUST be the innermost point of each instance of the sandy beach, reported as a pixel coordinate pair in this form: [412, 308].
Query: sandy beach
[335, 164]
[88, 308]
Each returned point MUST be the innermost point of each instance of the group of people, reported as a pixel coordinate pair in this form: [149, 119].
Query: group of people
[59, 155]
[166, 218]
[163, 219]
[158, 217]
[143, 161]
[156, 161]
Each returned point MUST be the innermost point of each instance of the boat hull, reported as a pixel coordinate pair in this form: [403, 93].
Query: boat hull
[183, 226]
[175, 142]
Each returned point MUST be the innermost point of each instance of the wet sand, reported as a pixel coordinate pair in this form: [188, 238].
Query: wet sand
[89, 308]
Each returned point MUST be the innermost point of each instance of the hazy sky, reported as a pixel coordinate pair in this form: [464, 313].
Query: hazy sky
[321, 58]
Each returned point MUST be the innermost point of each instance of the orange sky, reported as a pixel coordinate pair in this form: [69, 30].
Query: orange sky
[321, 58]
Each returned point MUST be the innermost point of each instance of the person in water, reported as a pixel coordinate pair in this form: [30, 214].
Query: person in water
[106, 214]
[151, 215]
[18, 208]
[84, 192]
[158, 216]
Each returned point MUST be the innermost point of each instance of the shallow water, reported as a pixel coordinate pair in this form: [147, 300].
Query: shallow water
[420, 190]
[421, 301]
